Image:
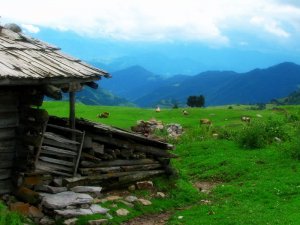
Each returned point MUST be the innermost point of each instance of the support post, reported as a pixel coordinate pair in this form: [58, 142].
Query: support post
[72, 112]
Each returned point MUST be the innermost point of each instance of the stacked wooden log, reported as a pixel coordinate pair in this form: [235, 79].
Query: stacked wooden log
[8, 123]
[112, 157]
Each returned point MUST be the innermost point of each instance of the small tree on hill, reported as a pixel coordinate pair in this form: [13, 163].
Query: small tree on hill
[196, 101]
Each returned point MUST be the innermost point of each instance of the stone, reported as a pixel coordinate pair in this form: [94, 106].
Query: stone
[50, 189]
[85, 206]
[110, 198]
[47, 221]
[98, 209]
[160, 195]
[20, 207]
[35, 212]
[68, 213]
[64, 199]
[131, 188]
[87, 189]
[110, 217]
[122, 212]
[144, 201]
[57, 182]
[71, 221]
[98, 222]
[131, 198]
[27, 195]
[127, 203]
[144, 185]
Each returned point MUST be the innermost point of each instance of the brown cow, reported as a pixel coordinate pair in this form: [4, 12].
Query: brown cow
[103, 115]
[205, 122]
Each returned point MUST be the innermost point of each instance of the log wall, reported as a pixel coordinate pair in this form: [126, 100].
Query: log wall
[9, 121]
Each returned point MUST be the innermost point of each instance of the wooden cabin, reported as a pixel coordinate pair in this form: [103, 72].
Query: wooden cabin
[29, 70]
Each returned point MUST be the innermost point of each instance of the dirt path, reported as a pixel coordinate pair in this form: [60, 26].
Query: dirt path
[154, 219]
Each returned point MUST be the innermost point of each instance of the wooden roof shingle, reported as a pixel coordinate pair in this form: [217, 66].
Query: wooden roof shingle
[26, 60]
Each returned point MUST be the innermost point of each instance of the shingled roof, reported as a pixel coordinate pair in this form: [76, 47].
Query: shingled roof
[25, 60]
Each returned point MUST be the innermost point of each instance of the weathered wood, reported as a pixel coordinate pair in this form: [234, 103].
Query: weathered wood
[135, 176]
[7, 133]
[79, 155]
[7, 146]
[6, 156]
[90, 157]
[54, 143]
[65, 129]
[97, 170]
[60, 139]
[87, 180]
[57, 151]
[52, 91]
[135, 146]
[5, 186]
[50, 167]
[8, 108]
[11, 121]
[104, 130]
[98, 148]
[141, 167]
[93, 85]
[56, 161]
[72, 110]
[121, 162]
[5, 174]
[6, 164]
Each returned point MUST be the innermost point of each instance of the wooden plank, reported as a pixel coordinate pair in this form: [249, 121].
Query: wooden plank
[98, 178]
[49, 167]
[9, 122]
[8, 108]
[7, 133]
[121, 162]
[57, 151]
[97, 170]
[52, 136]
[6, 156]
[7, 145]
[5, 186]
[141, 167]
[79, 154]
[56, 161]
[6, 164]
[5, 174]
[65, 128]
[135, 146]
[54, 143]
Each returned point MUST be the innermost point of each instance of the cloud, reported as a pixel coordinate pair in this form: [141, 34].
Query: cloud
[156, 20]
[30, 28]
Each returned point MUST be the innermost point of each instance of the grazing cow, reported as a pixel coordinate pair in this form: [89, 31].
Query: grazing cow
[245, 119]
[103, 115]
[205, 122]
[184, 112]
[157, 109]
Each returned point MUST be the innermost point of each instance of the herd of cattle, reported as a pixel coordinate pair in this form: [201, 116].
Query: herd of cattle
[203, 121]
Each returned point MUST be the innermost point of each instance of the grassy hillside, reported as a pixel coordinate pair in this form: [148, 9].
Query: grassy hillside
[255, 166]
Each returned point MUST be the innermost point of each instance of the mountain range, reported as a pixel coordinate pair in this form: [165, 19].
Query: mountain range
[146, 89]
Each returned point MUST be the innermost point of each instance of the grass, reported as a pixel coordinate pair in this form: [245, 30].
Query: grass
[257, 185]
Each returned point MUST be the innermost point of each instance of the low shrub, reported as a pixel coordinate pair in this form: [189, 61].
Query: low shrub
[257, 134]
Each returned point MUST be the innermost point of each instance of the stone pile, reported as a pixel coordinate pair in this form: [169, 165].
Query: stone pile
[67, 205]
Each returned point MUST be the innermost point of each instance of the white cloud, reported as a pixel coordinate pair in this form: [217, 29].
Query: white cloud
[160, 20]
[30, 28]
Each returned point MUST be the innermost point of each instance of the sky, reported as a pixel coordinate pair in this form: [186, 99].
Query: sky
[271, 26]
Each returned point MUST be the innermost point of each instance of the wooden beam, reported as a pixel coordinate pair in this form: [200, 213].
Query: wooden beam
[72, 110]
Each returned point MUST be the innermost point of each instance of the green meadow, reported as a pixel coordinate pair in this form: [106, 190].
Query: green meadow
[254, 166]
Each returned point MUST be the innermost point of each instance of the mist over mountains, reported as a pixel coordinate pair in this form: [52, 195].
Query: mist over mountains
[146, 89]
